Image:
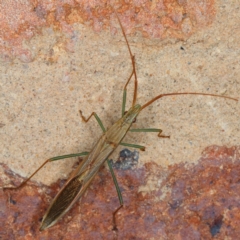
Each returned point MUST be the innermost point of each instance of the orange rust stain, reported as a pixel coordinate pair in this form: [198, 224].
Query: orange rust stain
[21, 20]
[200, 201]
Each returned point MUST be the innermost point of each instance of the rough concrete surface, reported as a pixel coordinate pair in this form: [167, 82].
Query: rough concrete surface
[185, 201]
[70, 67]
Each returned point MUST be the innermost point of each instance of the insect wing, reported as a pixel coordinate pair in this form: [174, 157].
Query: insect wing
[77, 184]
[62, 202]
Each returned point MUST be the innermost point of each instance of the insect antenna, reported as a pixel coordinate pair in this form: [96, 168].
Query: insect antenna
[184, 93]
[133, 70]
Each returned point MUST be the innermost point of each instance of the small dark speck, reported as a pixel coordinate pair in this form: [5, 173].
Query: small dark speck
[182, 48]
[12, 201]
[216, 226]
[175, 204]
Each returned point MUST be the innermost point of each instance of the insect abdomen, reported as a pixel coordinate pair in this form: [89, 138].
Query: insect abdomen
[63, 201]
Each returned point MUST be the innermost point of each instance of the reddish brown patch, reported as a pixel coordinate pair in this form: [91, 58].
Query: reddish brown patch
[199, 201]
[21, 20]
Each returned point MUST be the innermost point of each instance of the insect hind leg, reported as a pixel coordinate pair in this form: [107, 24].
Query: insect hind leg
[45, 162]
[118, 193]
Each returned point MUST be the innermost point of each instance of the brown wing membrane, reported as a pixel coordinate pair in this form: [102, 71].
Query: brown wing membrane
[62, 203]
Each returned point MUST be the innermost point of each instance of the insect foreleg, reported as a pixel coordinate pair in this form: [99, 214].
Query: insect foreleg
[96, 117]
[48, 160]
[142, 148]
[149, 130]
[118, 193]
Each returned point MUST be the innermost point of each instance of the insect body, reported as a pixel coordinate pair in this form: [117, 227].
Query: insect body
[81, 178]
[83, 175]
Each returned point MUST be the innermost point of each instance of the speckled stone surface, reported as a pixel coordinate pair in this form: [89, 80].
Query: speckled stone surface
[55, 70]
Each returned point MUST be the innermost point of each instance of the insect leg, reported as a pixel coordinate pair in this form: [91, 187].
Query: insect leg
[149, 130]
[96, 117]
[140, 147]
[118, 193]
[48, 160]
